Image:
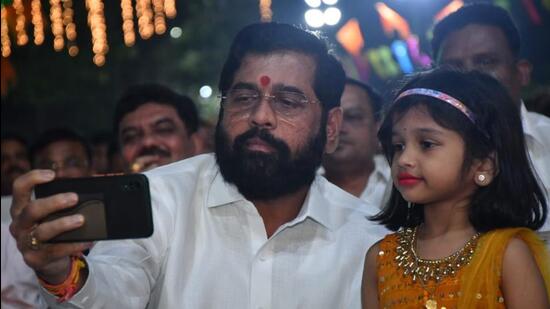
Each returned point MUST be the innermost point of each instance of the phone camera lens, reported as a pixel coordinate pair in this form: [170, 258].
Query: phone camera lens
[132, 186]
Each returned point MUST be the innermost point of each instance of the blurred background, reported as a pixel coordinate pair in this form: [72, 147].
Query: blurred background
[52, 75]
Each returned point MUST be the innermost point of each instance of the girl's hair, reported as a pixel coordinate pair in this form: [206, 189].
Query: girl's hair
[514, 197]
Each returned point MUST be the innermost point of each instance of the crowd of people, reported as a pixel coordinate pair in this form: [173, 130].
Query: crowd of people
[312, 192]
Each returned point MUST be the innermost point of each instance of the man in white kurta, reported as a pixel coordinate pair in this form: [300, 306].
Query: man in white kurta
[210, 250]
[252, 226]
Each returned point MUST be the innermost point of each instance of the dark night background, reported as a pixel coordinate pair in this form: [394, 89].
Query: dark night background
[53, 89]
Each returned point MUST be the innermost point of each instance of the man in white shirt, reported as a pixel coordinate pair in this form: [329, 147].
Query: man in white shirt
[355, 166]
[252, 226]
[484, 37]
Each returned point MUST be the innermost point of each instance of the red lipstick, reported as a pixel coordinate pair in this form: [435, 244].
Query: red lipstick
[406, 179]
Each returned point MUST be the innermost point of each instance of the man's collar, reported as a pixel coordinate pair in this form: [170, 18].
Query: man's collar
[316, 205]
[382, 167]
[221, 193]
[526, 124]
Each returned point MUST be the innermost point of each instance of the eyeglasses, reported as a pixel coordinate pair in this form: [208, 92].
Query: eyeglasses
[284, 103]
[67, 164]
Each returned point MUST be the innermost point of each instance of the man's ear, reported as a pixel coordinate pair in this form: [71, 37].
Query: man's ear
[524, 68]
[334, 123]
[486, 170]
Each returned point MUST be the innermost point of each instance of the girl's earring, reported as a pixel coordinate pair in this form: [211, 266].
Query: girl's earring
[409, 206]
[482, 180]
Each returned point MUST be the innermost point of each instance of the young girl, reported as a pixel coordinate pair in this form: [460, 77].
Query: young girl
[465, 202]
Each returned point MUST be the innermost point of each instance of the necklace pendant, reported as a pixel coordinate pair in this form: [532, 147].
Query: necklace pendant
[431, 304]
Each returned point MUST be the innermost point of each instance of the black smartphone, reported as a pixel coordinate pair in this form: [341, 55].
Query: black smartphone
[114, 207]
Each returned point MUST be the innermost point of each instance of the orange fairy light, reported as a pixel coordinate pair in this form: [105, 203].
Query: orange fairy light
[128, 22]
[170, 8]
[265, 11]
[391, 21]
[159, 21]
[448, 9]
[37, 21]
[151, 19]
[99, 60]
[73, 50]
[6, 44]
[96, 21]
[21, 34]
[70, 27]
[145, 16]
[350, 37]
[57, 24]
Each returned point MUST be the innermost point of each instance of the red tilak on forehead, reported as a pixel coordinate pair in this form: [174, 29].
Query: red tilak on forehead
[265, 80]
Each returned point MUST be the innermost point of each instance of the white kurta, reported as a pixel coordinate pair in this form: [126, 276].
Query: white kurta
[210, 249]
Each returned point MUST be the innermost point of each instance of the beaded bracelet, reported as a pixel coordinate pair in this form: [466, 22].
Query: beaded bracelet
[65, 290]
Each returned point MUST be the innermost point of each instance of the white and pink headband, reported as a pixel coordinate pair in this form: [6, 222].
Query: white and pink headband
[440, 96]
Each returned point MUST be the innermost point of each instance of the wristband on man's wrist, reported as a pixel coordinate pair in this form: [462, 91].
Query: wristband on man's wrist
[65, 290]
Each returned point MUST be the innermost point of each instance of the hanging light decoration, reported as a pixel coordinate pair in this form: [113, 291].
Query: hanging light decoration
[145, 19]
[57, 24]
[128, 22]
[151, 18]
[265, 11]
[159, 20]
[96, 21]
[170, 8]
[5, 38]
[70, 27]
[21, 38]
[37, 21]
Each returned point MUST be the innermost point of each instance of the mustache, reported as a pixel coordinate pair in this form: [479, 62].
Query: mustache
[264, 135]
[154, 151]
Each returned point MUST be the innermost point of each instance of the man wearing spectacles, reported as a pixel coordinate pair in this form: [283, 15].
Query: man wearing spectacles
[355, 165]
[252, 226]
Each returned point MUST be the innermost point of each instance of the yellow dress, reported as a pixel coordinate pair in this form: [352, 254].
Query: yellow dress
[476, 285]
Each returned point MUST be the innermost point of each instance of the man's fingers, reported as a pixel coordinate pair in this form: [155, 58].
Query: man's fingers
[48, 230]
[40, 208]
[23, 186]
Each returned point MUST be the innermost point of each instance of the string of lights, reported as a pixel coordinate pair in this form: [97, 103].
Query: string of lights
[57, 24]
[22, 37]
[96, 21]
[128, 22]
[5, 38]
[150, 14]
[37, 21]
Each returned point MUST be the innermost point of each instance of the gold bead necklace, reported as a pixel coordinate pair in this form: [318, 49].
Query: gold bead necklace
[430, 270]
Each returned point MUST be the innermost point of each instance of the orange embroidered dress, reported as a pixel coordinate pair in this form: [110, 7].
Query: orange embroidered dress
[476, 285]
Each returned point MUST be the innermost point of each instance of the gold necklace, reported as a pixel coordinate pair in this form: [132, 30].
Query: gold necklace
[430, 270]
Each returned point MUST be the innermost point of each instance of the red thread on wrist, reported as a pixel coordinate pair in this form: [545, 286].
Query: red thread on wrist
[65, 290]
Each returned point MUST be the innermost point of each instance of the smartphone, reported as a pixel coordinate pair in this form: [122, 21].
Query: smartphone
[114, 207]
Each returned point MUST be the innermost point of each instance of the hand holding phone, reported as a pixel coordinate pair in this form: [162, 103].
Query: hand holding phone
[114, 207]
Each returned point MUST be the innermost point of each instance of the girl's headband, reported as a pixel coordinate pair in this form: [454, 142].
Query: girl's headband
[440, 96]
